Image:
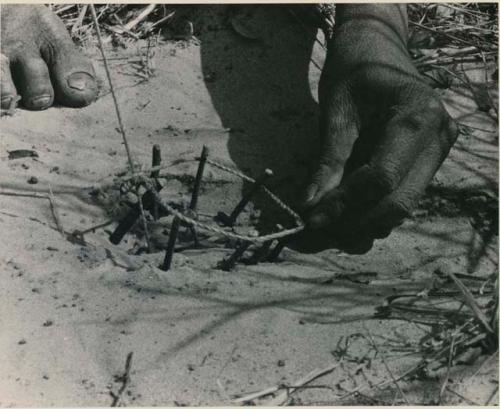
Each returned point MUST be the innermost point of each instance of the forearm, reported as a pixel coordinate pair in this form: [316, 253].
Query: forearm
[390, 16]
[374, 34]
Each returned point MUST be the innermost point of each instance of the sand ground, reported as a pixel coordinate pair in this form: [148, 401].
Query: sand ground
[71, 312]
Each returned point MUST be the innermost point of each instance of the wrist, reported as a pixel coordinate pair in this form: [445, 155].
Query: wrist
[369, 18]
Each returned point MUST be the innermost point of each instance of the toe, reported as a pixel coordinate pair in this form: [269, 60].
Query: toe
[8, 93]
[33, 81]
[72, 74]
[74, 83]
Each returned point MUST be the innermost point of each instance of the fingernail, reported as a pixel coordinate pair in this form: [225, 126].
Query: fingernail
[311, 192]
[43, 101]
[81, 81]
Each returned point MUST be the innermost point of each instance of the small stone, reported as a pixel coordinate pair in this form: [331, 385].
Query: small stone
[46, 377]
[22, 341]
[281, 362]
[33, 180]
[48, 323]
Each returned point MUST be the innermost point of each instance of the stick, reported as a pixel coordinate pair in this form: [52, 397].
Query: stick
[111, 88]
[92, 229]
[387, 366]
[259, 182]
[55, 213]
[447, 377]
[471, 302]
[470, 402]
[79, 20]
[120, 122]
[172, 238]
[229, 263]
[148, 10]
[438, 32]
[282, 397]
[125, 378]
[156, 161]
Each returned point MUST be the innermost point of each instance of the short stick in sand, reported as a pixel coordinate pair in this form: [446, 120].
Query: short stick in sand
[154, 174]
[229, 263]
[276, 251]
[199, 177]
[262, 253]
[196, 189]
[148, 203]
[259, 182]
[172, 238]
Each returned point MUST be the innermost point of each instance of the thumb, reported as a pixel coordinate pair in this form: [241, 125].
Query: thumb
[339, 129]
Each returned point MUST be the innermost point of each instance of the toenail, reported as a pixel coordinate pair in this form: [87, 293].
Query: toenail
[40, 102]
[6, 101]
[9, 102]
[81, 81]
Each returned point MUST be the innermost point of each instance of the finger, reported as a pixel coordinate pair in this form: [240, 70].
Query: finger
[338, 131]
[394, 208]
[406, 135]
[72, 74]
[413, 128]
[33, 81]
[8, 92]
[314, 241]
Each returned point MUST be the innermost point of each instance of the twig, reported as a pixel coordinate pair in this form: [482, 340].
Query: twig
[447, 377]
[64, 8]
[490, 99]
[486, 362]
[163, 19]
[449, 60]
[470, 402]
[120, 122]
[471, 302]
[125, 379]
[55, 212]
[148, 10]
[92, 229]
[464, 10]
[438, 32]
[394, 380]
[111, 87]
[493, 394]
[79, 20]
[281, 398]
[17, 194]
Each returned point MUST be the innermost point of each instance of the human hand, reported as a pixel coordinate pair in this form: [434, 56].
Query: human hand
[384, 133]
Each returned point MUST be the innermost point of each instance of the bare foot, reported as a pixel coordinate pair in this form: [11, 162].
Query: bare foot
[40, 62]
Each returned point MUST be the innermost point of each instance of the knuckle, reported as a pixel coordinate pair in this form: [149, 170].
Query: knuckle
[400, 209]
[425, 110]
[323, 171]
[384, 177]
[333, 206]
[434, 111]
[451, 131]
